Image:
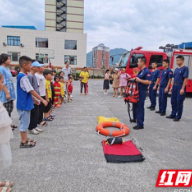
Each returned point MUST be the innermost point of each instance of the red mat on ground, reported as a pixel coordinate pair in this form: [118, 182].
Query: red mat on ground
[127, 152]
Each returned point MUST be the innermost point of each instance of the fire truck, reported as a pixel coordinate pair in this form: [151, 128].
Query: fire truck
[129, 61]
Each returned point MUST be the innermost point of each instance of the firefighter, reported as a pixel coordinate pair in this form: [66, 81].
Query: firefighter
[155, 76]
[166, 78]
[144, 80]
[181, 74]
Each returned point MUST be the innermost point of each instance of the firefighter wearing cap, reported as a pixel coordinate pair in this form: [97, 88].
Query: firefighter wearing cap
[155, 76]
[179, 89]
[166, 78]
[144, 80]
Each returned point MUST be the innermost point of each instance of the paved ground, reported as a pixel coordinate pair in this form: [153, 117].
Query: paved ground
[69, 154]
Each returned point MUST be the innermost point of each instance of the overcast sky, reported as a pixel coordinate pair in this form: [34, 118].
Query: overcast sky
[116, 23]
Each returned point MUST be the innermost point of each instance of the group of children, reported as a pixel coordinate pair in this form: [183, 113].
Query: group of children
[39, 91]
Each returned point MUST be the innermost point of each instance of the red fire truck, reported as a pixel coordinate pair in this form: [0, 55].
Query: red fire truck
[129, 61]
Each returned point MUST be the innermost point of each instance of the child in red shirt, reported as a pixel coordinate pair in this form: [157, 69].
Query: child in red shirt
[70, 88]
[57, 90]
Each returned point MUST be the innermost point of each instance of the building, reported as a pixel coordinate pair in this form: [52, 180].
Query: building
[64, 15]
[56, 44]
[100, 57]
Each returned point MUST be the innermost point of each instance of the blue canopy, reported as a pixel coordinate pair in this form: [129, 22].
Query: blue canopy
[187, 45]
[19, 27]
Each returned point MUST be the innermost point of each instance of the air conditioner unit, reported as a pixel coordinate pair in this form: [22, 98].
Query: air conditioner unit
[4, 44]
[21, 45]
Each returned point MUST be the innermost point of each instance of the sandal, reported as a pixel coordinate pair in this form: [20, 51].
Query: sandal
[48, 119]
[43, 123]
[5, 189]
[27, 145]
[6, 183]
[31, 140]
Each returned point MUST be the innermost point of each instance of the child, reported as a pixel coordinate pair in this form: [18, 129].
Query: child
[5, 136]
[57, 90]
[61, 82]
[52, 87]
[70, 88]
[116, 83]
[33, 129]
[41, 84]
[123, 82]
[66, 93]
[106, 81]
[25, 100]
[84, 80]
[7, 94]
[48, 94]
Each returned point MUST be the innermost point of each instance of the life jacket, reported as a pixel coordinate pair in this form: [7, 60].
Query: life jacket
[132, 92]
[131, 96]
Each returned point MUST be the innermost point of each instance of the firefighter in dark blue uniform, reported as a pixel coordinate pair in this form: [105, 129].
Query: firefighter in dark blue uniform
[155, 76]
[179, 89]
[144, 80]
[165, 83]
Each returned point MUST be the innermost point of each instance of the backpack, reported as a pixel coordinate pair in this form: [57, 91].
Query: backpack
[131, 95]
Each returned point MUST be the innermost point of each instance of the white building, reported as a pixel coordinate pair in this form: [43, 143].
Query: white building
[63, 37]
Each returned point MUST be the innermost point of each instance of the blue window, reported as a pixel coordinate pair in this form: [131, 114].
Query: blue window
[13, 40]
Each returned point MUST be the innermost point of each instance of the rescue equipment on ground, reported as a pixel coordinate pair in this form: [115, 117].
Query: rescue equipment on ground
[122, 153]
[102, 119]
[114, 140]
[131, 95]
[124, 129]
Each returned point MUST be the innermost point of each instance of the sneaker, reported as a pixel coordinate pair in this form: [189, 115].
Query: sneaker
[57, 106]
[119, 96]
[105, 93]
[33, 132]
[38, 129]
[71, 96]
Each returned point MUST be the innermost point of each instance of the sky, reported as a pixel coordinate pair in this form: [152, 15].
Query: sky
[116, 23]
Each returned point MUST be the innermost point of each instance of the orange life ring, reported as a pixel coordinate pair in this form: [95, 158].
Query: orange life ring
[124, 129]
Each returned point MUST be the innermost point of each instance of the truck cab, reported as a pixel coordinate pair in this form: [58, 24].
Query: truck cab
[129, 60]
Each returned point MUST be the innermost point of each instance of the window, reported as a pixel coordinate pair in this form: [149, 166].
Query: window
[14, 56]
[44, 59]
[72, 59]
[124, 59]
[42, 42]
[156, 58]
[134, 60]
[71, 44]
[13, 40]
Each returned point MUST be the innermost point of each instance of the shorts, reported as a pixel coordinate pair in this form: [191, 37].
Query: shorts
[48, 107]
[24, 117]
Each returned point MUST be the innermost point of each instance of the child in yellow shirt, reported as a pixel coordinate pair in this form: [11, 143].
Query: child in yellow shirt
[61, 82]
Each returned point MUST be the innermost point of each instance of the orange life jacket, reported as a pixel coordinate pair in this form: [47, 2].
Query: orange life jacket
[132, 92]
